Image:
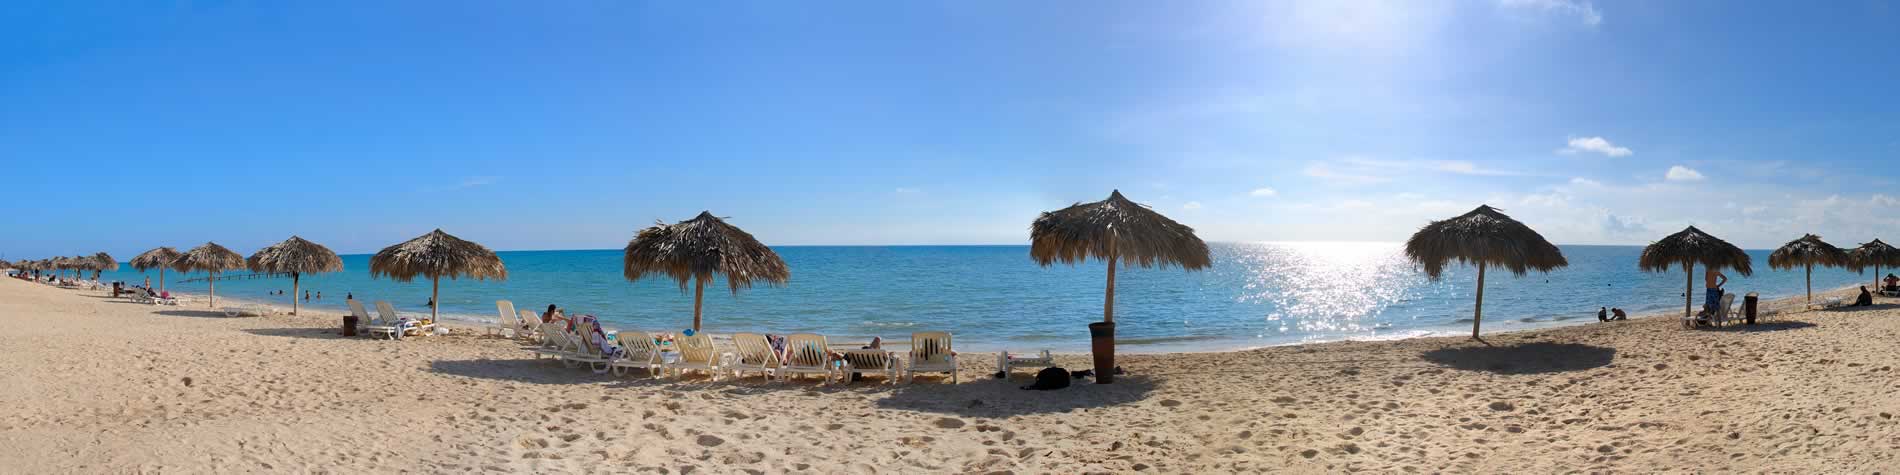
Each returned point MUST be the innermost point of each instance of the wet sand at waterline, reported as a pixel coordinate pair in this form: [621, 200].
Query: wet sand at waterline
[92, 384]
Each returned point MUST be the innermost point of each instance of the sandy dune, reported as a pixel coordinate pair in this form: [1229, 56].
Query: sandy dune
[91, 384]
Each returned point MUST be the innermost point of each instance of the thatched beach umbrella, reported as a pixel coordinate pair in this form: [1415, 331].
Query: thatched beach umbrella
[160, 258]
[698, 249]
[1114, 230]
[1807, 252]
[102, 262]
[211, 259]
[1690, 247]
[296, 257]
[1876, 254]
[1484, 238]
[436, 255]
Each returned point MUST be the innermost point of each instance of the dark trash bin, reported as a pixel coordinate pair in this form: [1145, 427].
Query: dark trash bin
[1748, 307]
[349, 325]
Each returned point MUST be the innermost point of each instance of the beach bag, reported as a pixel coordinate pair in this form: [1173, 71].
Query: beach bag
[1050, 379]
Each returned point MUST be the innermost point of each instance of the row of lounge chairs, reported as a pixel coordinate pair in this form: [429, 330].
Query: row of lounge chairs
[662, 354]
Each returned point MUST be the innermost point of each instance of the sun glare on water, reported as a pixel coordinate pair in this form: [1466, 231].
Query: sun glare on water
[1325, 287]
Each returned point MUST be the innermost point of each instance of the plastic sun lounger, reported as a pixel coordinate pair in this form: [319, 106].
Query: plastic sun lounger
[555, 342]
[872, 361]
[807, 353]
[931, 352]
[530, 325]
[507, 324]
[383, 324]
[695, 353]
[637, 350]
[587, 352]
[1005, 362]
[755, 355]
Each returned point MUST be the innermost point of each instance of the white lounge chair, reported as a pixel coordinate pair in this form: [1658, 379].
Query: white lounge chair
[1006, 361]
[506, 325]
[871, 361]
[695, 353]
[1722, 316]
[755, 354]
[931, 352]
[637, 350]
[530, 325]
[390, 317]
[555, 342]
[807, 354]
[587, 351]
[386, 322]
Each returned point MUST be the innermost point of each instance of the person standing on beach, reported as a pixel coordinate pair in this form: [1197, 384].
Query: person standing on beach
[1713, 280]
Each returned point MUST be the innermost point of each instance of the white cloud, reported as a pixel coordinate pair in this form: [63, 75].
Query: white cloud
[1594, 145]
[1580, 181]
[1682, 173]
[1585, 11]
[1264, 192]
[1191, 205]
[907, 191]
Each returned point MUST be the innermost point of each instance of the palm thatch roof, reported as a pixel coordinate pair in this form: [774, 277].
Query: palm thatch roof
[64, 263]
[1874, 253]
[157, 258]
[24, 264]
[1692, 246]
[209, 257]
[1485, 237]
[701, 248]
[436, 255]
[295, 255]
[1810, 250]
[1115, 228]
[104, 262]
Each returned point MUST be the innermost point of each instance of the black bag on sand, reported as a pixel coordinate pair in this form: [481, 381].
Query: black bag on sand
[1049, 379]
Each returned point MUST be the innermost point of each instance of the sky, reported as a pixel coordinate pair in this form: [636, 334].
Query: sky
[571, 125]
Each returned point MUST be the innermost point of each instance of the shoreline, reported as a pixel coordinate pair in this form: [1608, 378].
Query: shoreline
[1185, 344]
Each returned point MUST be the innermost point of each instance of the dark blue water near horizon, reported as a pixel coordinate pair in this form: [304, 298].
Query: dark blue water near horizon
[1256, 294]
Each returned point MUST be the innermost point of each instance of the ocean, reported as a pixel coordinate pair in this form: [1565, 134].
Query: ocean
[995, 297]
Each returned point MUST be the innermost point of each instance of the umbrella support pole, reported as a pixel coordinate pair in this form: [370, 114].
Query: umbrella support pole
[1810, 282]
[294, 285]
[435, 297]
[1477, 315]
[1688, 288]
[699, 299]
[1102, 334]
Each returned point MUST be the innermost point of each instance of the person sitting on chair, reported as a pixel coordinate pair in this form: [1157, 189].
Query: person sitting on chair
[1893, 283]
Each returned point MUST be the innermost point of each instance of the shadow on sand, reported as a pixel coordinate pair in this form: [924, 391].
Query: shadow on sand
[1763, 327]
[315, 333]
[995, 398]
[1530, 358]
[536, 371]
[194, 313]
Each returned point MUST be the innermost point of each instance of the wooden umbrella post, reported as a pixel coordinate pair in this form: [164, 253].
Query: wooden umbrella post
[1810, 282]
[1102, 334]
[294, 284]
[435, 296]
[699, 298]
[1477, 316]
[212, 290]
[161, 280]
[1688, 288]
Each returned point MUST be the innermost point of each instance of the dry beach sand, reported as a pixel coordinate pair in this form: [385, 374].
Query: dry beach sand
[91, 384]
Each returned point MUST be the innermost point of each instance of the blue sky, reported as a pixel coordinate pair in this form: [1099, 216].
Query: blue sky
[558, 125]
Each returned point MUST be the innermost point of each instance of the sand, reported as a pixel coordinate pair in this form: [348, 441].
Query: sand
[92, 384]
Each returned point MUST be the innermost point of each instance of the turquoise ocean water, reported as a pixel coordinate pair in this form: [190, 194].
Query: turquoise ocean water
[996, 297]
